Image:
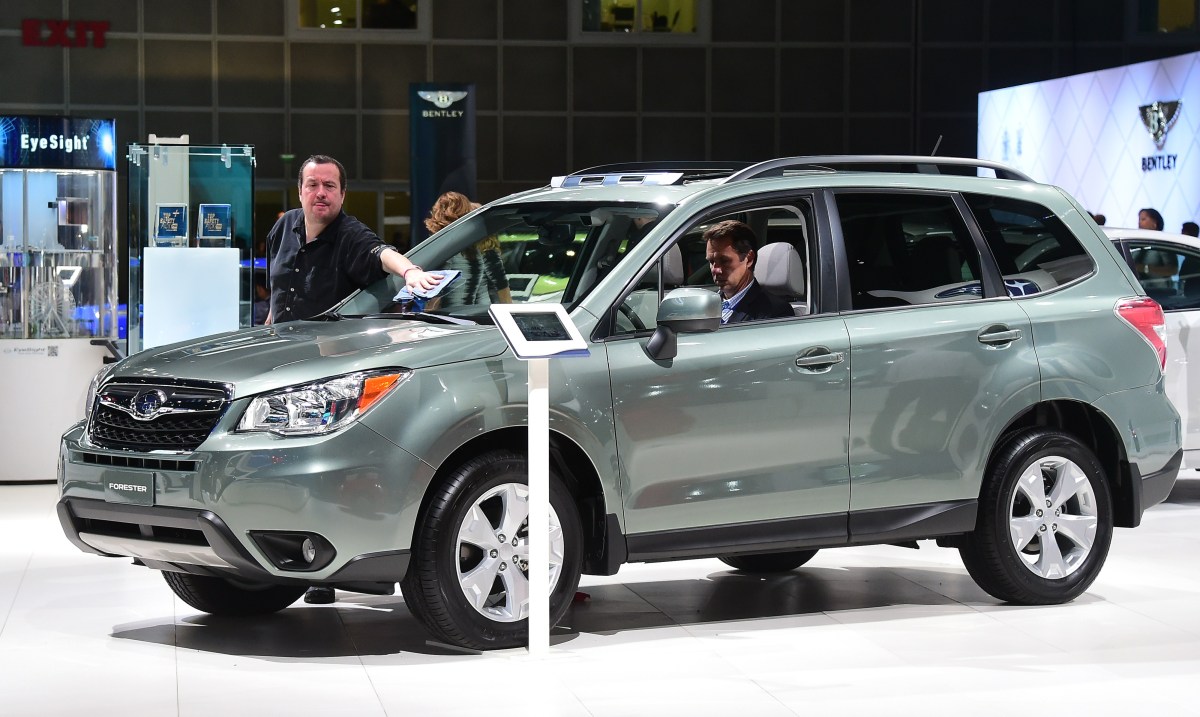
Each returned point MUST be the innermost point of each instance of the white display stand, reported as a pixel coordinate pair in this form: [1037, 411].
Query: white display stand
[44, 386]
[188, 292]
[537, 333]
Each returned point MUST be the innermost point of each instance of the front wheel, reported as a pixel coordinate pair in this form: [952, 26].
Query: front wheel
[218, 596]
[468, 581]
[1045, 521]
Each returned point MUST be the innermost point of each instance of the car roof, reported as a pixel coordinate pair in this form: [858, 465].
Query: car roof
[672, 182]
[1118, 233]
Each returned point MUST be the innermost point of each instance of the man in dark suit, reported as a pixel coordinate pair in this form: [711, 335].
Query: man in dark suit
[732, 249]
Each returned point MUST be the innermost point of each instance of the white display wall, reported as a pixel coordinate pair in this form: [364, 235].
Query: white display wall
[1086, 134]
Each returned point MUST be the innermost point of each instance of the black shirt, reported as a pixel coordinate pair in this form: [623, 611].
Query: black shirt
[308, 279]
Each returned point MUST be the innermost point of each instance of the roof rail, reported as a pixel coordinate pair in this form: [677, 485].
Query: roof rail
[667, 172]
[875, 162]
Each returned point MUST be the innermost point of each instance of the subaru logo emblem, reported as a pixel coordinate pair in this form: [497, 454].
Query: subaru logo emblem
[147, 404]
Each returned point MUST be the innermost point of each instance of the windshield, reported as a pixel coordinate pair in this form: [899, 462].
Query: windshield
[553, 252]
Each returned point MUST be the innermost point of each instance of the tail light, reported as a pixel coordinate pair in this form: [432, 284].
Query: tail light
[1146, 316]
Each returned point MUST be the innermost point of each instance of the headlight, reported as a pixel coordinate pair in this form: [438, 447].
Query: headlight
[89, 398]
[322, 407]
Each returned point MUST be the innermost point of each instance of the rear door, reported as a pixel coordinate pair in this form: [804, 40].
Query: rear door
[940, 357]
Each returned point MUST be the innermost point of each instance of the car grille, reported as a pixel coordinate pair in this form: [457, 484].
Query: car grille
[175, 418]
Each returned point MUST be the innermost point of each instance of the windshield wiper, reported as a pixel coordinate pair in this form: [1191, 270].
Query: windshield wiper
[330, 315]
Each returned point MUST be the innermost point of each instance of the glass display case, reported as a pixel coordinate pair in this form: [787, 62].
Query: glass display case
[58, 264]
[59, 317]
[191, 219]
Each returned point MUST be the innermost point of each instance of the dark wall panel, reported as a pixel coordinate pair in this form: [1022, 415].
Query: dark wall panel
[385, 147]
[458, 63]
[743, 20]
[387, 71]
[331, 134]
[673, 138]
[951, 21]
[881, 20]
[604, 140]
[605, 79]
[107, 76]
[122, 15]
[323, 75]
[176, 123]
[743, 138]
[880, 80]
[812, 21]
[743, 80]
[42, 87]
[261, 17]
[535, 148]
[178, 72]
[811, 135]
[535, 78]
[535, 20]
[812, 80]
[264, 130]
[189, 17]
[250, 74]
[464, 19]
[951, 79]
[673, 79]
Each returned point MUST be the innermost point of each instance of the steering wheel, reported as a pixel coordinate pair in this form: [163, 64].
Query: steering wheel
[632, 316]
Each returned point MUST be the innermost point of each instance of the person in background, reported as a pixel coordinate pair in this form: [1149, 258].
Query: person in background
[319, 255]
[262, 301]
[1192, 229]
[481, 265]
[1150, 219]
[1099, 218]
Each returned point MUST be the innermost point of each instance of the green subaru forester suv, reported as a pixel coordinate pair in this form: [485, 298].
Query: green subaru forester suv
[967, 359]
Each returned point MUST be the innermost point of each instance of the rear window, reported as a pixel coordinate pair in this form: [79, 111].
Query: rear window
[1034, 249]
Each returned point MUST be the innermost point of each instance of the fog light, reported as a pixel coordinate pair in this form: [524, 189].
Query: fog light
[304, 552]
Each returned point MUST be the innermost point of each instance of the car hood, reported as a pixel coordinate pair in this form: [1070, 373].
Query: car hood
[267, 358]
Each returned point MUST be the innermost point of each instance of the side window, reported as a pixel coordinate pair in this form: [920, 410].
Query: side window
[781, 267]
[904, 249]
[1032, 246]
[1169, 273]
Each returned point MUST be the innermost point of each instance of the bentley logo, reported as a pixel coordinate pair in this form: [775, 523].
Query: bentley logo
[441, 98]
[1159, 117]
[147, 404]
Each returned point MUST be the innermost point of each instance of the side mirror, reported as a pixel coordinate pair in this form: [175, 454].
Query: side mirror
[683, 311]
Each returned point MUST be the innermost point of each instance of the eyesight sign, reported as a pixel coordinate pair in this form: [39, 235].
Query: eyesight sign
[44, 142]
[1118, 139]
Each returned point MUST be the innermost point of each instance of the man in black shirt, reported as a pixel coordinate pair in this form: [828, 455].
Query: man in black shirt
[320, 255]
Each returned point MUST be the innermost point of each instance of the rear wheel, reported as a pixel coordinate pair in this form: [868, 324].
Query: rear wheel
[468, 581]
[218, 596]
[769, 562]
[1045, 521]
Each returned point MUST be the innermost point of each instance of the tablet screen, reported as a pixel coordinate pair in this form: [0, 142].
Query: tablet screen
[541, 327]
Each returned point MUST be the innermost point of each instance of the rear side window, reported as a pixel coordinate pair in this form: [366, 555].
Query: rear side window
[907, 248]
[1033, 248]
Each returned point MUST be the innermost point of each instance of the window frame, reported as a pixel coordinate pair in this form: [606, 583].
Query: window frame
[702, 35]
[421, 33]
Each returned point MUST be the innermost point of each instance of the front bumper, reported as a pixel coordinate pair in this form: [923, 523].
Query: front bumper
[226, 508]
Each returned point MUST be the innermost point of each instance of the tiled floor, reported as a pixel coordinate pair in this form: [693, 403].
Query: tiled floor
[862, 631]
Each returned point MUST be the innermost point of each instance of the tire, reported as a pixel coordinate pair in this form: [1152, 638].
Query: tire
[218, 596]
[1040, 484]
[467, 581]
[769, 562]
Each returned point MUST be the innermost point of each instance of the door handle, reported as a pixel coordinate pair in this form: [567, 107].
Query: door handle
[999, 335]
[819, 357]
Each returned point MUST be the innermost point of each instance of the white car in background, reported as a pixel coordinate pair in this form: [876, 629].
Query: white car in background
[1168, 265]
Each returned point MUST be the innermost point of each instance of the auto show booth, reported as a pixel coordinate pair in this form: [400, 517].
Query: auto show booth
[58, 279]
